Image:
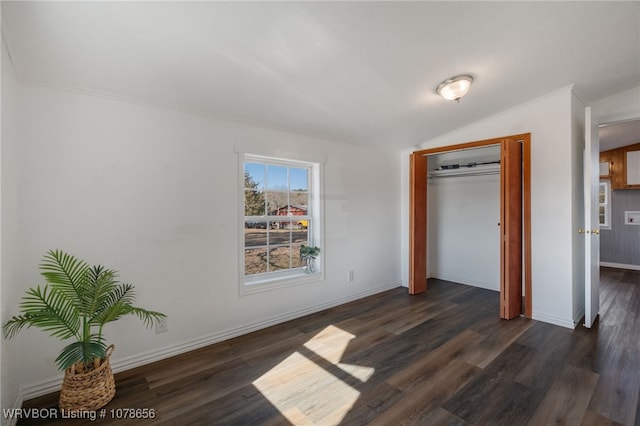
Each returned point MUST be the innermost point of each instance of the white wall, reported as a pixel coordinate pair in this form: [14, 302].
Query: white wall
[10, 245]
[549, 120]
[463, 212]
[153, 193]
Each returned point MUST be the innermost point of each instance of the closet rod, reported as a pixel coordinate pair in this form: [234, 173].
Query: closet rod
[469, 169]
[464, 174]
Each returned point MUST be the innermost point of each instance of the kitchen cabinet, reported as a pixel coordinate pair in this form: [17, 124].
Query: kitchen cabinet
[632, 168]
[624, 167]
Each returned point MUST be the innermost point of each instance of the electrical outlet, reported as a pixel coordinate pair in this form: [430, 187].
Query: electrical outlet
[350, 276]
[162, 325]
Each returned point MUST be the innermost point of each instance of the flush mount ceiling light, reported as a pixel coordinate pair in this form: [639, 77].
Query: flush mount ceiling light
[454, 88]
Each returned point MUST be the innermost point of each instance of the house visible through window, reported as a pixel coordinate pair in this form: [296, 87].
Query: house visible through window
[604, 204]
[280, 215]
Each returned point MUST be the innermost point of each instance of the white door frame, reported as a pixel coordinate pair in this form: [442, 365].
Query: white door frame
[621, 107]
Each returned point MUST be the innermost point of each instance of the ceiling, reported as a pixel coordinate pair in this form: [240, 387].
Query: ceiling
[616, 135]
[358, 72]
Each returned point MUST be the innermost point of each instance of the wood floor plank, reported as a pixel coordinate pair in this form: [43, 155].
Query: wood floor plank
[547, 360]
[567, 401]
[401, 323]
[616, 393]
[434, 361]
[439, 387]
[439, 416]
[378, 400]
[494, 395]
[637, 422]
[240, 407]
[591, 418]
[503, 333]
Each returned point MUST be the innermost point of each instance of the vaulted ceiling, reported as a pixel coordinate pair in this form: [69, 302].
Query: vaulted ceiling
[359, 72]
[616, 135]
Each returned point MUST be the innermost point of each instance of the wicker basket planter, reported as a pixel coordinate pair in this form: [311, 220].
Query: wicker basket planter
[88, 391]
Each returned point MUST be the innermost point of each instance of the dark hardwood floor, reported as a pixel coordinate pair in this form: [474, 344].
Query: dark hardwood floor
[443, 358]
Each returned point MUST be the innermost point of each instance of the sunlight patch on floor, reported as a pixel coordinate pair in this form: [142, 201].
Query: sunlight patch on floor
[359, 372]
[305, 392]
[330, 343]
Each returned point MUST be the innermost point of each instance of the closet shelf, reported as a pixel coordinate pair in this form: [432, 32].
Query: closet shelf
[471, 169]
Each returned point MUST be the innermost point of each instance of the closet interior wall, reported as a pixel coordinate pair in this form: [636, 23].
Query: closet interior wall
[463, 213]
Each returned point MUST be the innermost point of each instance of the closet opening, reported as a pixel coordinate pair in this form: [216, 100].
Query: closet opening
[470, 219]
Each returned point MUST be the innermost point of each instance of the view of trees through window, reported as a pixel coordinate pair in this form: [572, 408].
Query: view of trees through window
[276, 216]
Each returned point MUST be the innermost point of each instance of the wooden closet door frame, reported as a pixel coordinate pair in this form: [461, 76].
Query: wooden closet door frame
[511, 219]
[418, 212]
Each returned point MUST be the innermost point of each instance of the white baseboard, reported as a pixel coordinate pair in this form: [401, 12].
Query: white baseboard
[555, 320]
[620, 266]
[465, 281]
[53, 385]
[42, 388]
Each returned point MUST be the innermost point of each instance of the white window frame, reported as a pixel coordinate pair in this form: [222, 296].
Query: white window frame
[607, 204]
[315, 212]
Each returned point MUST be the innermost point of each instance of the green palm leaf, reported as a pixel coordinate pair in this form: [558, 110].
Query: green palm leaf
[81, 351]
[148, 318]
[119, 303]
[101, 284]
[115, 305]
[47, 309]
[65, 272]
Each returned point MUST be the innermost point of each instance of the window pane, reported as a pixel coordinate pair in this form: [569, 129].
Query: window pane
[254, 204]
[603, 220]
[299, 189]
[254, 175]
[279, 258]
[255, 261]
[277, 178]
[255, 234]
[299, 179]
[277, 203]
[300, 201]
[288, 225]
[279, 236]
[300, 236]
[291, 223]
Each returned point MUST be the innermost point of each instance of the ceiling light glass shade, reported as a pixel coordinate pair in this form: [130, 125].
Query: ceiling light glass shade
[455, 87]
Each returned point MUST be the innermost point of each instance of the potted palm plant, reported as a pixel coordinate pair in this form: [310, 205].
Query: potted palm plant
[76, 303]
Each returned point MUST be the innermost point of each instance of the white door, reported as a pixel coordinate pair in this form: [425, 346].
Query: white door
[591, 219]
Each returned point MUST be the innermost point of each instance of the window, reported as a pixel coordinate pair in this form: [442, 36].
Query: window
[280, 204]
[604, 204]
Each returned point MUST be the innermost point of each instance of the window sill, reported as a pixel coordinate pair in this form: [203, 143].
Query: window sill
[247, 288]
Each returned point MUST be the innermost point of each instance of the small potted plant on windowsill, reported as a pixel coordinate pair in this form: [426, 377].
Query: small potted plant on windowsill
[76, 303]
[308, 255]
